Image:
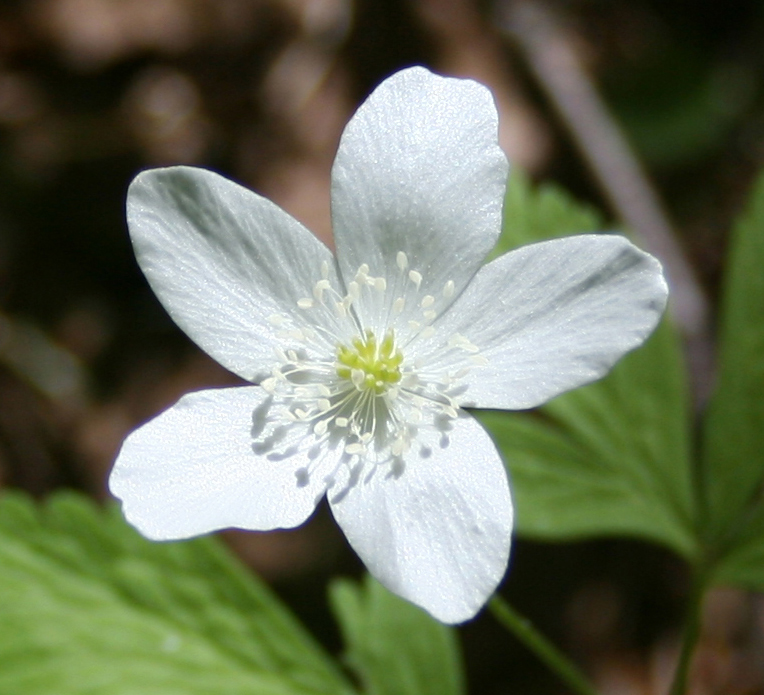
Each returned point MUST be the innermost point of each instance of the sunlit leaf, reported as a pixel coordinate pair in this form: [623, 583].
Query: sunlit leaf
[734, 426]
[88, 606]
[394, 647]
[543, 212]
[612, 457]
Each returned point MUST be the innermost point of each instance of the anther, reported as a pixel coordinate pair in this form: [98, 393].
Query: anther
[427, 301]
[459, 341]
[320, 287]
[398, 305]
[450, 411]
[324, 404]
[305, 303]
[402, 260]
[415, 277]
[357, 376]
[448, 289]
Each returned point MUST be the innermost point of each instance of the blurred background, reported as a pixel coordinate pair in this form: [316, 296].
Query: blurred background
[92, 91]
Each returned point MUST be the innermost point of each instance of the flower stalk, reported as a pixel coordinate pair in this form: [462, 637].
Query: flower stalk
[691, 632]
[545, 651]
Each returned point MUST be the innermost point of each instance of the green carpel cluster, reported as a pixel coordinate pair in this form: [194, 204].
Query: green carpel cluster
[370, 365]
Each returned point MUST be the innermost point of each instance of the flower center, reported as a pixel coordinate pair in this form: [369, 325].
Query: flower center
[369, 364]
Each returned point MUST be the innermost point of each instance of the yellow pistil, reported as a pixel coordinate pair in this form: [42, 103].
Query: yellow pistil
[371, 366]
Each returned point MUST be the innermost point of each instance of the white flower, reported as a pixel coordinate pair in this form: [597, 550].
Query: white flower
[365, 360]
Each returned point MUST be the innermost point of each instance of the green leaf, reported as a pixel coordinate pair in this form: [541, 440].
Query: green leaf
[394, 647]
[543, 212]
[733, 464]
[88, 606]
[609, 458]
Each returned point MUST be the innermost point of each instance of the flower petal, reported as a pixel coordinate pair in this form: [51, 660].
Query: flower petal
[553, 316]
[198, 467]
[419, 171]
[222, 260]
[437, 533]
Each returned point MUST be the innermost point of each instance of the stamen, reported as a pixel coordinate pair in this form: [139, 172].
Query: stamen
[365, 390]
[324, 404]
[459, 341]
[320, 287]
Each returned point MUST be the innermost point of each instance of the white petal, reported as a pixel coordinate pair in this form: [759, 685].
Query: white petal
[419, 171]
[437, 534]
[222, 260]
[553, 316]
[194, 469]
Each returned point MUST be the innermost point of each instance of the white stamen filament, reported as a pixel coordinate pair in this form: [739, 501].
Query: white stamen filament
[368, 395]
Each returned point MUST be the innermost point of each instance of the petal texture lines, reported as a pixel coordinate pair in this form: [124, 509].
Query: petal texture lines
[419, 172]
[205, 465]
[437, 532]
[222, 260]
[555, 315]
